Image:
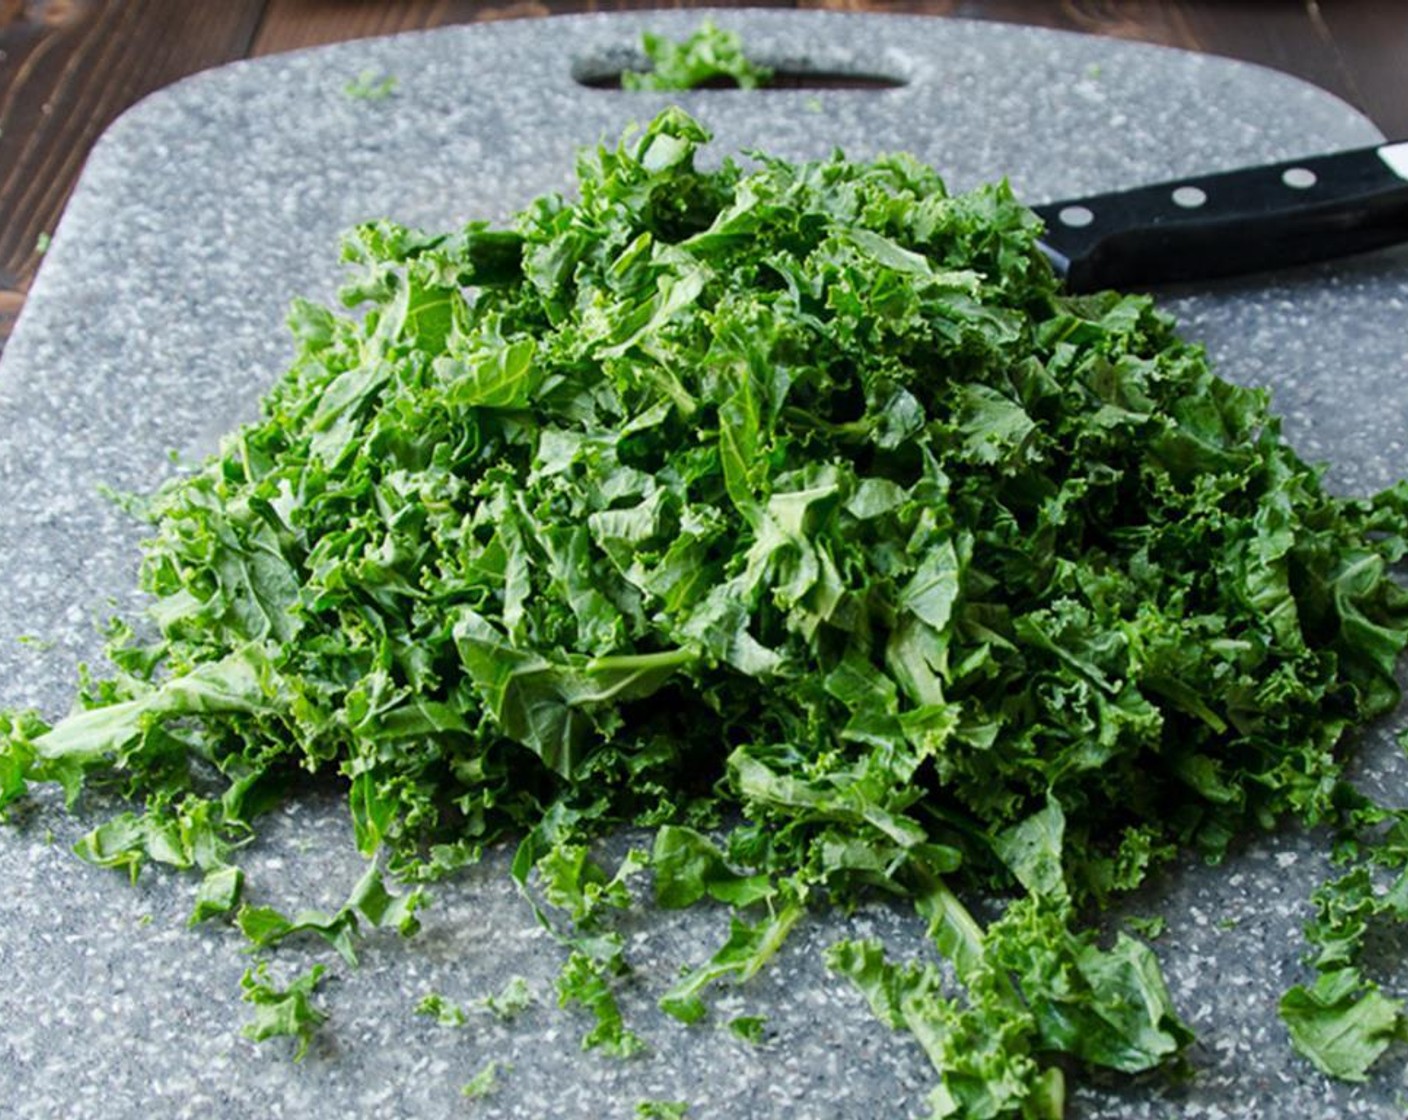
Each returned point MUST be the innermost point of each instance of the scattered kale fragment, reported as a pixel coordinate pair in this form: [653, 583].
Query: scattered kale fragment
[511, 1001]
[661, 1110]
[710, 54]
[1342, 1023]
[370, 902]
[484, 1082]
[750, 1028]
[369, 85]
[218, 893]
[283, 1012]
[586, 981]
[437, 1007]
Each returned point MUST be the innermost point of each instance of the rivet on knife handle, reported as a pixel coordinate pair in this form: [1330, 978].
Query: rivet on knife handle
[1249, 220]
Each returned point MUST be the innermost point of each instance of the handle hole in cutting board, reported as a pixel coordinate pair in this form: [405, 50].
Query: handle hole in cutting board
[603, 72]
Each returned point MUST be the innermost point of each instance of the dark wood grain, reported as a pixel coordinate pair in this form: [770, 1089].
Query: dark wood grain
[1370, 42]
[68, 67]
[291, 24]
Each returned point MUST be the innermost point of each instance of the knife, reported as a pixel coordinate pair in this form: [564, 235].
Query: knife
[1248, 220]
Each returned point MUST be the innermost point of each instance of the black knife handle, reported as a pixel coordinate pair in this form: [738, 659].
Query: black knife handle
[1249, 220]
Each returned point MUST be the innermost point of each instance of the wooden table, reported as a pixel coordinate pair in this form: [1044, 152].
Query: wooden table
[68, 67]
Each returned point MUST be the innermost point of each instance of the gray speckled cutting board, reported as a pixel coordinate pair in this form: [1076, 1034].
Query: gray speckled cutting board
[156, 322]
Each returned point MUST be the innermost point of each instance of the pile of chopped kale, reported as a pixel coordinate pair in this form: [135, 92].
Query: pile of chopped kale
[794, 513]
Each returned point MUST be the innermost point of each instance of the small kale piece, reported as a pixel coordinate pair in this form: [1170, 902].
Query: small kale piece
[661, 1110]
[509, 1002]
[485, 1081]
[1342, 1022]
[708, 55]
[283, 1012]
[437, 1007]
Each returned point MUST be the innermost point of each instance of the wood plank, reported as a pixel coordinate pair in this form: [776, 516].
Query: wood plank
[294, 24]
[290, 24]
[69, 69]
[1371, 38]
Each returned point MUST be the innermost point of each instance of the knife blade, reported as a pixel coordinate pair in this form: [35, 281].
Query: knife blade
[1248, 220]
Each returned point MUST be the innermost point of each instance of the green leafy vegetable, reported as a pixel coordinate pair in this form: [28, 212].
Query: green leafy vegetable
[586, 981]
[218, 893]
[791, 511]
[283, 1012]
[370, 902]
[437, 1007]
[1149, 927]
[485, 1081]
[1342, 1024]
[710, 54]
[662, 1110]
[749, 948]
[688, 866]
[369, 85]
[509, 1003]
[506, 1005]
[750, 1028]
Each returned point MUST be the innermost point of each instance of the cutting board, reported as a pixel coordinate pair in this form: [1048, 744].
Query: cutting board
[155, 324]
